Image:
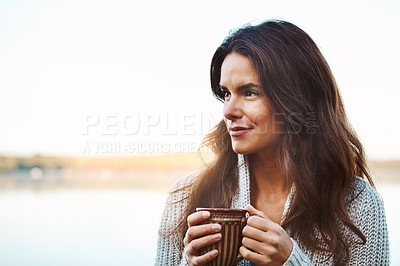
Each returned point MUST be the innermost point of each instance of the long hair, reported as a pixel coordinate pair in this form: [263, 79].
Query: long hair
[318, 150]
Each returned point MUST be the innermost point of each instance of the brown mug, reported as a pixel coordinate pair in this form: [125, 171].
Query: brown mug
[232, 222]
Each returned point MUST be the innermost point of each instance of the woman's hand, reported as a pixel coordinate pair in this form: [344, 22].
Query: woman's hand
[199, 236]
[264, 242]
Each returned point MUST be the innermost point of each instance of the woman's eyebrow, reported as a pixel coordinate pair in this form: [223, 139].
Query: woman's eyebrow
[242, 87]
[248, 86]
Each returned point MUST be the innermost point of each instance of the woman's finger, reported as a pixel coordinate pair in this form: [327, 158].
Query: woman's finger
[251, 244]
[262, 223]
[259, 220]
[253, 232]
[197, 217]
[200, 260]
[199, 243]
[197, 231]
[253, 211]
[253, 256]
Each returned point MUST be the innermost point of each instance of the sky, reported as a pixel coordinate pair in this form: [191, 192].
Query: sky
[132, 77]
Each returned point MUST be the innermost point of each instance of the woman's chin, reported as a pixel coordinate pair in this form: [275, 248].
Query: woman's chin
[241, 150]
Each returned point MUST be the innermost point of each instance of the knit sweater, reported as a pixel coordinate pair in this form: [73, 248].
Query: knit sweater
[365, 209]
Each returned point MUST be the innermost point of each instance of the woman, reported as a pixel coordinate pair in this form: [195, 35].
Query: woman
[286, 153]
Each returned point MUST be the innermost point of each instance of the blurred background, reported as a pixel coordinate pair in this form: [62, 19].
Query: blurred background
[104, 104]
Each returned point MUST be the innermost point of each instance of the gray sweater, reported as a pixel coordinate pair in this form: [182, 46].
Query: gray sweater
[365, 209]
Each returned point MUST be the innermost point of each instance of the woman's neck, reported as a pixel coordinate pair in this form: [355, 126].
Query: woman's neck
[267, 175]
[269, 186]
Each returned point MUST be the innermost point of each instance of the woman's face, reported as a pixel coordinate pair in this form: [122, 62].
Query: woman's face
[247, 114]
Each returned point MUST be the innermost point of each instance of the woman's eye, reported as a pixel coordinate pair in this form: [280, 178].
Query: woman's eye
[250, 93]
[226, 94]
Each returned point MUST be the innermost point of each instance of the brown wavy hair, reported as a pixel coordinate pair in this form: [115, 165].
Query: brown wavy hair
[319, 151]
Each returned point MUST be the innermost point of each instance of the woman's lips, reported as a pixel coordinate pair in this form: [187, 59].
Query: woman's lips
[238, 131]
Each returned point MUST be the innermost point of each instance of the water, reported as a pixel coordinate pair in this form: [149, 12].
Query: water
[79, 227]
[102, 227]
[390, 194]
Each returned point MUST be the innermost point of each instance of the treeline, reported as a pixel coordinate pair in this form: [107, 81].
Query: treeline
[163, 161]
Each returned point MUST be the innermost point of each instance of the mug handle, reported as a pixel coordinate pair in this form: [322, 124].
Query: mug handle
[238, 258]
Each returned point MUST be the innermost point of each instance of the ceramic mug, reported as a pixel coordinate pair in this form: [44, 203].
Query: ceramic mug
[232, 222]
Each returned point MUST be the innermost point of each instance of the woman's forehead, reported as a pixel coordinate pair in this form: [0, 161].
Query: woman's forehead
[237, 68]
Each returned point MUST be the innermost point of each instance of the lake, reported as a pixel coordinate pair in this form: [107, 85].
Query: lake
[79, 227]
[103, 227]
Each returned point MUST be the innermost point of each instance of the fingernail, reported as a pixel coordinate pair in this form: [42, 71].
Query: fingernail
[205, 214]
[216, 227]
[214, 253]
[217, 236]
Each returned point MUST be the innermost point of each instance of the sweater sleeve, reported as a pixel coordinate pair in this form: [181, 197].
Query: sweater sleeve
[169, 241]
[297, 257]
[368, 214]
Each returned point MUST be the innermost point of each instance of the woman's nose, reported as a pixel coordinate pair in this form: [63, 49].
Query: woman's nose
[232, 109]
